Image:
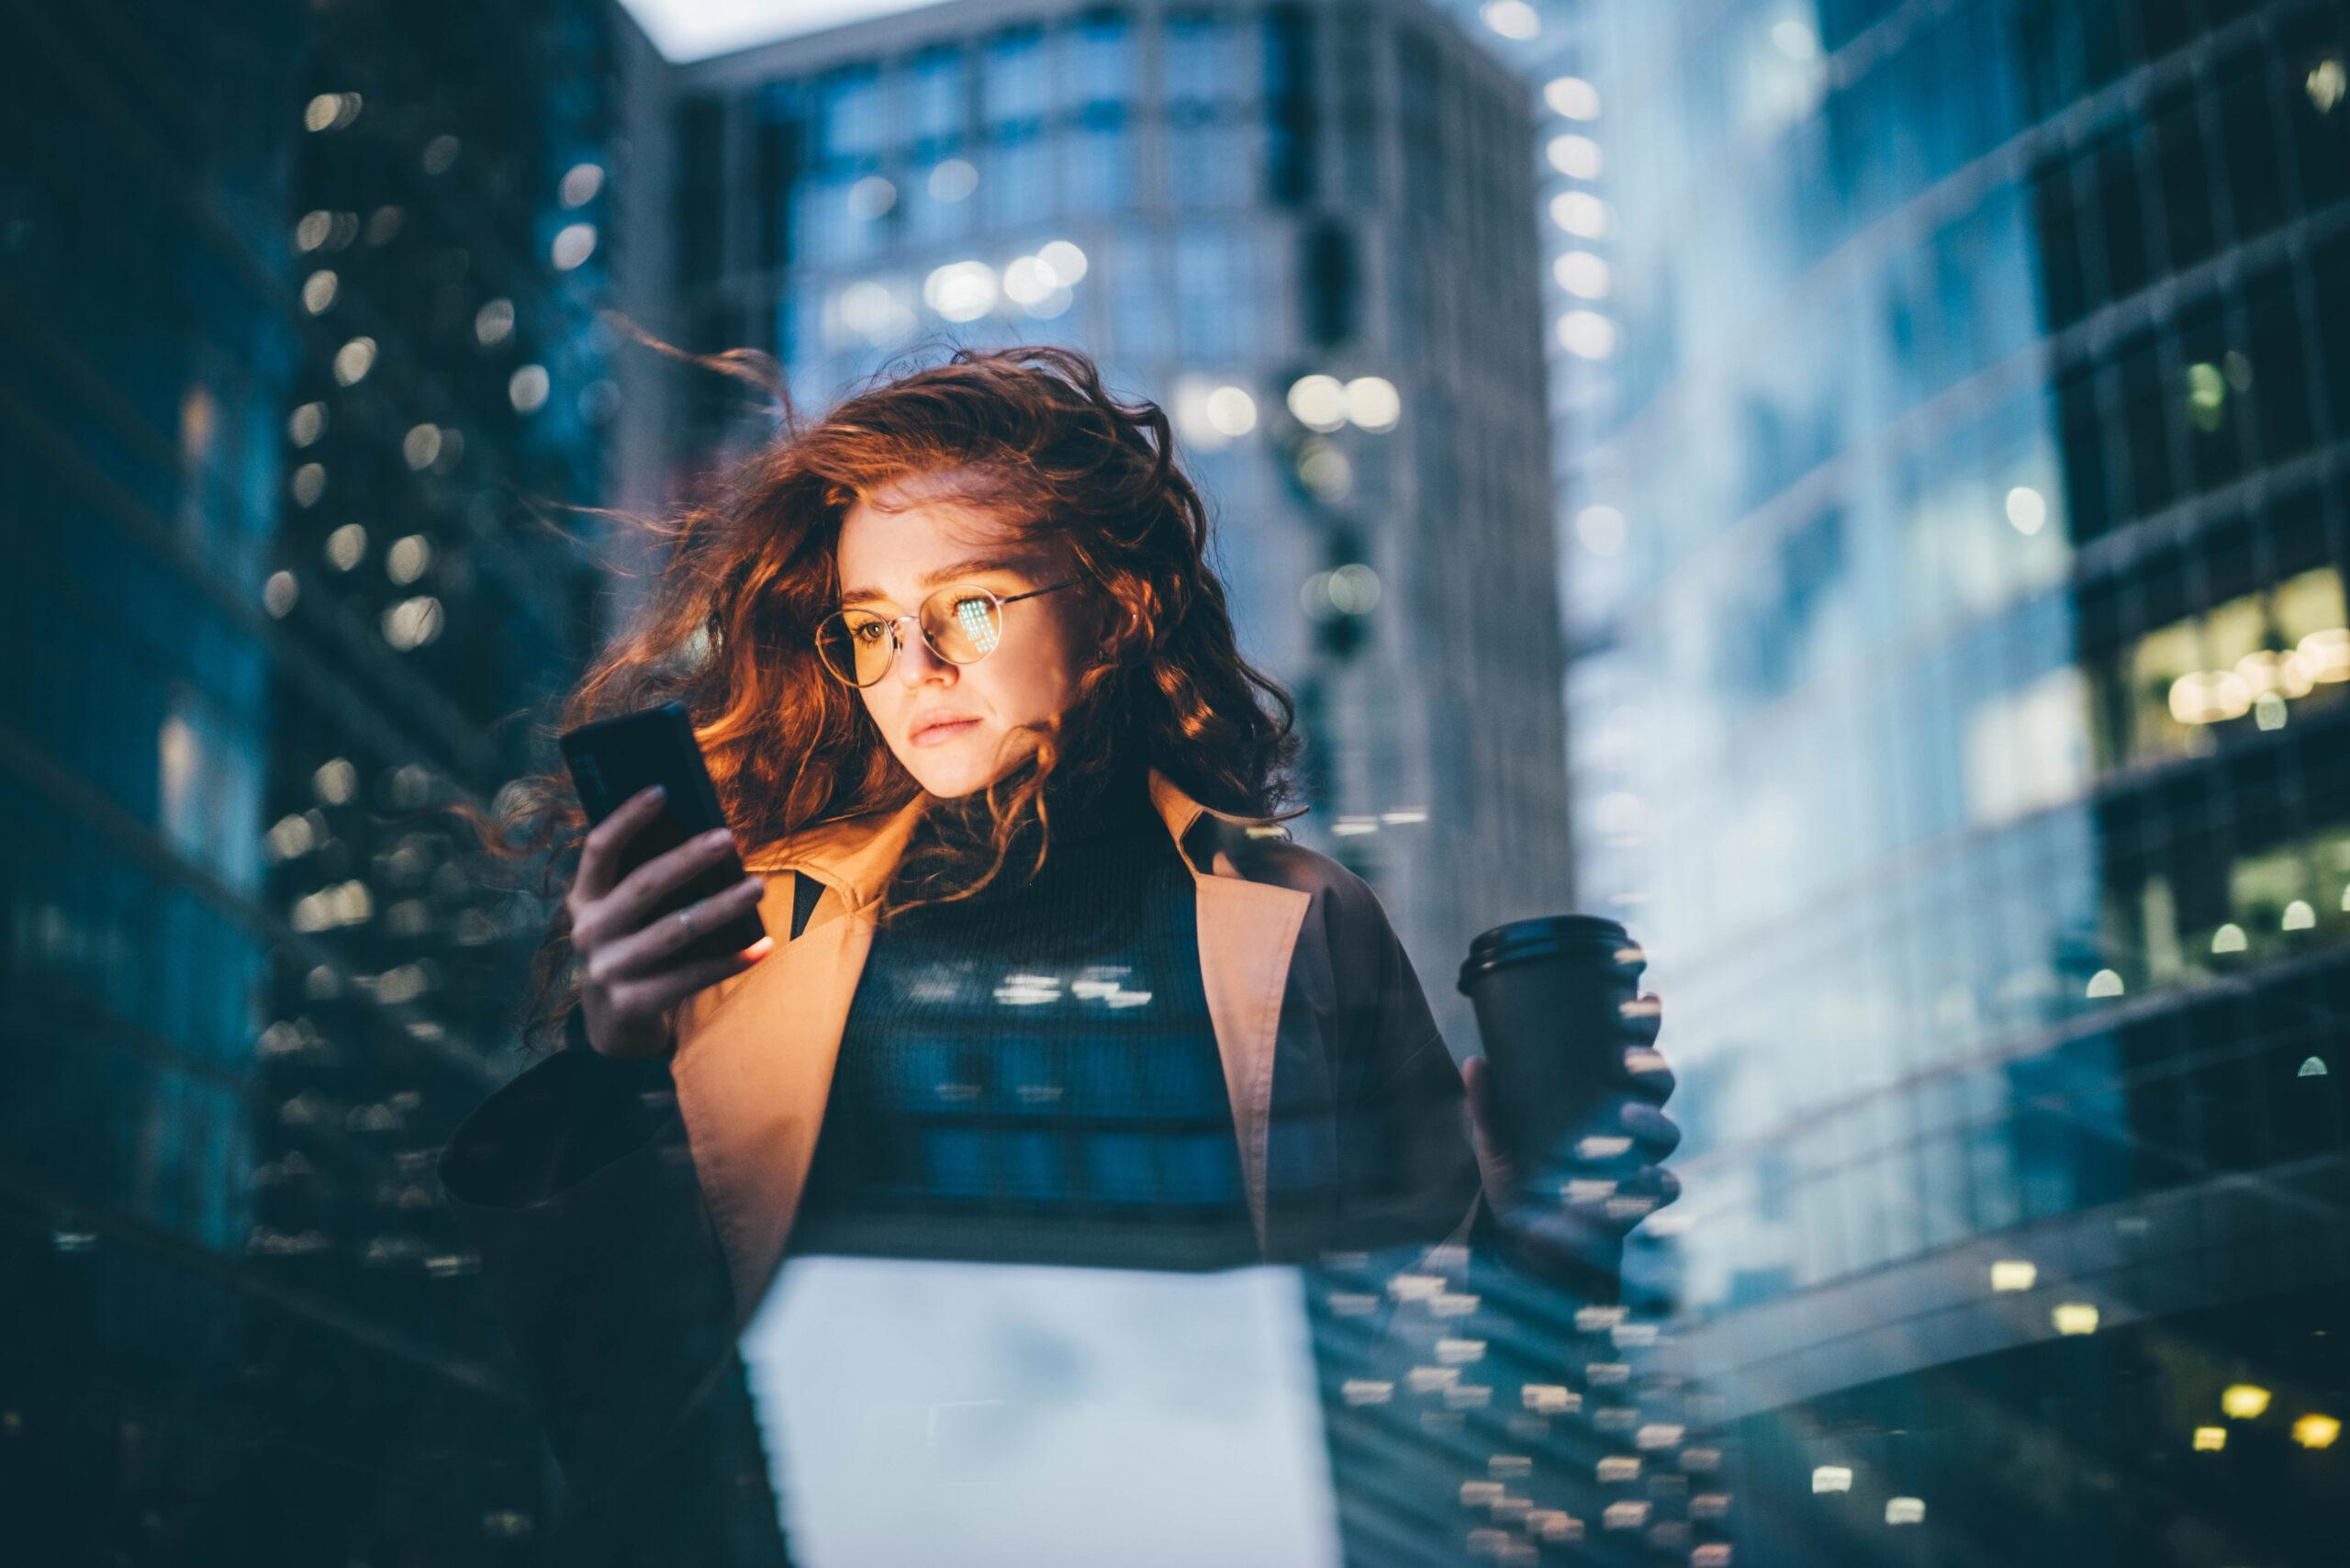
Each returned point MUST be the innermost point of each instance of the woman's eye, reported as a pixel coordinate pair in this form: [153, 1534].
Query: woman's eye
[867, 632]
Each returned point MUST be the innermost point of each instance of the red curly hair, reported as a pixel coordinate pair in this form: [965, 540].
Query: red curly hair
[728, 628]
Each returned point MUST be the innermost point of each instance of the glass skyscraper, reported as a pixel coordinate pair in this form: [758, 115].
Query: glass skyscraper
[299, 357]
[1952, 431]
[1305, 230]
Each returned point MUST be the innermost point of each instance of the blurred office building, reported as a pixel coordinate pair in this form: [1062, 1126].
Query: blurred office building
[1306, 229]
[299, 362]
[1953, 413]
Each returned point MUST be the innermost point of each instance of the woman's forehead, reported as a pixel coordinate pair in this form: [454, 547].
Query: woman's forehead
[964, 491]
[909, 528]
[899, 522]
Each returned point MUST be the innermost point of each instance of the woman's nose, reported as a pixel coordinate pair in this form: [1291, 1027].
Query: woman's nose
[916, 662]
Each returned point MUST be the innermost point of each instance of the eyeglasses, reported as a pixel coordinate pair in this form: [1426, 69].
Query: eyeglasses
[961, 623]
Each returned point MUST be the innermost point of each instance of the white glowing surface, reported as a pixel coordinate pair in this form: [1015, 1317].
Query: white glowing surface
[692, 29]
[926, 1413]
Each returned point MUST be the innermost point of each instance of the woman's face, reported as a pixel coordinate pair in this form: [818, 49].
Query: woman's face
[889, 562]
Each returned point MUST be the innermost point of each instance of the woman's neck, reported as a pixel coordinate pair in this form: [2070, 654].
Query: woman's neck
[1077, 810]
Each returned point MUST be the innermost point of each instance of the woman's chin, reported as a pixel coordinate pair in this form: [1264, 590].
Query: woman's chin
[949, 777]
[959, 766]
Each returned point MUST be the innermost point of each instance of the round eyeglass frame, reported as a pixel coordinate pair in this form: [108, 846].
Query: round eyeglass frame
[897, 640]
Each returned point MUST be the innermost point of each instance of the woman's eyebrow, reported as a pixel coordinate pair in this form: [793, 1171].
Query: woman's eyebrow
[970, 568]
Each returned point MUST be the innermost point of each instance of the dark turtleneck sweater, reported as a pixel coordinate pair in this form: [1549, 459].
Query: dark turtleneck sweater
[1030, 1075]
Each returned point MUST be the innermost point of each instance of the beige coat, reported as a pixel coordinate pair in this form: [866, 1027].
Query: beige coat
[1348, 1106]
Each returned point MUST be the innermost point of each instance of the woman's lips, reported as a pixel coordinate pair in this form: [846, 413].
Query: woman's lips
[938, 734]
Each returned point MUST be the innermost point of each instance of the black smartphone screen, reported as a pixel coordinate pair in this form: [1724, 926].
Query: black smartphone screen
[611, 759]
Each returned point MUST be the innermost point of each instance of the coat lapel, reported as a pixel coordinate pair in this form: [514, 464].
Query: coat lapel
[756, 1054]
[1246, 932]
[752, 1082]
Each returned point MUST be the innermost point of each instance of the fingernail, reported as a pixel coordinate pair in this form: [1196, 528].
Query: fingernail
[652, 792]
[717, 835]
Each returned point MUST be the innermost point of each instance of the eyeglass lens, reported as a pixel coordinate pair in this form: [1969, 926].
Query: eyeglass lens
[962, 627]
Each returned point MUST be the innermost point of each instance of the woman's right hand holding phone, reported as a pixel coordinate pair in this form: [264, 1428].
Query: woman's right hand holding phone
[631, 974]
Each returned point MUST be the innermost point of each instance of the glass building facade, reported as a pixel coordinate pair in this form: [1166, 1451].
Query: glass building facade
[297, 306]
[1305, 230]
[1952, 435]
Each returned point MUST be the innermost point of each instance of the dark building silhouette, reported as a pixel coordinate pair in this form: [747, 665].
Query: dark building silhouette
[297, 311]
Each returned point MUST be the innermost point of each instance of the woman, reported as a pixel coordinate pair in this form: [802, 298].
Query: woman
[1043, 979]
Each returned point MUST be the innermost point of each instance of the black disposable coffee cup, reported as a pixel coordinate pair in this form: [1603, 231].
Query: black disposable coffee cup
[1549, 995]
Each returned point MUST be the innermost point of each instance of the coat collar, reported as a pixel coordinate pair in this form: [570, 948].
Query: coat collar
[756, 1054]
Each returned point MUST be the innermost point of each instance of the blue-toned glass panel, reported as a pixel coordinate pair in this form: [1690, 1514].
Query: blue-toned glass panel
[1015, 78]
[1210, 164]
[1131, 272]
[1215, 292]
[1016, 177]
[1097, 65]
[851, 114]
[936, 88]
[1204, 62]
[1100, 165]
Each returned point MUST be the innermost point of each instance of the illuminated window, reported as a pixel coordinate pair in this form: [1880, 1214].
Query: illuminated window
[2248, 663]
[209, 790]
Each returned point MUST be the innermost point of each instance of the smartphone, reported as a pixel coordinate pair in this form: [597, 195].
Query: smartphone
[611, 759]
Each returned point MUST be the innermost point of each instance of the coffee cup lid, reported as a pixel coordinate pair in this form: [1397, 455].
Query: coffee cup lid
[1541, 936]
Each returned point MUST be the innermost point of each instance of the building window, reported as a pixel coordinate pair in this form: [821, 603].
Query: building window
[1101, 164]
[937, 86]
[1098, 62]
[1014, 82]
[1017, 179]
[850, 115]
[1216, 293]
[2252, 663]
[1209, 163]
[830, 227]
[1137, 301]
[939, 201]
[1203, 63]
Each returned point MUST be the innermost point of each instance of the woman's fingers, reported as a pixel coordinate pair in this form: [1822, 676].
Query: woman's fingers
[659, 993]
[656, 945]
[1642, 1014]
[1645, 1070]
[1644, 1065]
[1624, 1199]
[599, 856]
[1656, 1134]
[631, 905]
